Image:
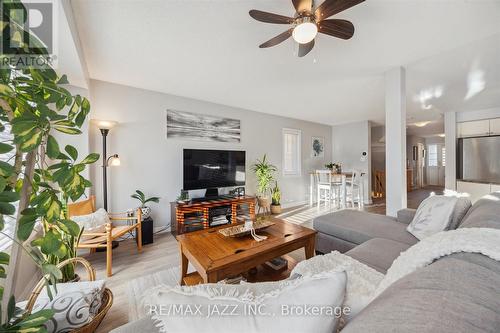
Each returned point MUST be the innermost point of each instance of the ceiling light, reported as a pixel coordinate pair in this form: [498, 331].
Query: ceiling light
[305, 31]
[422, 123]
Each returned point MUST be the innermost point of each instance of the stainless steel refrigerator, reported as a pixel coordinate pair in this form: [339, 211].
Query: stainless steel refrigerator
[479, 159]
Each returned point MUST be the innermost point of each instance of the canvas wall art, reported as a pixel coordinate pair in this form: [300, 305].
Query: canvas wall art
[318, 147]
[195, 126]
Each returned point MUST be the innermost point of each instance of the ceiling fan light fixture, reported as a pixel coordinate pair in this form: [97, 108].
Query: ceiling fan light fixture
[305, 31]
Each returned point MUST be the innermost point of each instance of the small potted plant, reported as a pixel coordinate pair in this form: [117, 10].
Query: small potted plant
[264, 171]
[145, 210]
[276, 199]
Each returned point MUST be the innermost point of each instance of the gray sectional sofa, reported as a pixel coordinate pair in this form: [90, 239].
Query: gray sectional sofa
[457, 293]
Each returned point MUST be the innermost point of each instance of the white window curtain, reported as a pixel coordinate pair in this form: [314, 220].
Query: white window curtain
[292, 140]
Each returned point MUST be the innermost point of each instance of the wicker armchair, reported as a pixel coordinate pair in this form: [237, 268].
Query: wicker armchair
[95, 240]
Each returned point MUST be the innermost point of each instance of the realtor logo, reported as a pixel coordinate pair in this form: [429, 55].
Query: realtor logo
[28, 34]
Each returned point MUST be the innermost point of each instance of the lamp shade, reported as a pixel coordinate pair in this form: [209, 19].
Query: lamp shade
[113, 160]
[105, 124]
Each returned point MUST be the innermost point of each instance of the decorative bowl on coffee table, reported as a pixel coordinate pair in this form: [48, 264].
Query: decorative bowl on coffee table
[240, 230]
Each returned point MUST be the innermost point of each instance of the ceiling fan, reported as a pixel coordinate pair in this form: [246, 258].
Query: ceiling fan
[308, 21]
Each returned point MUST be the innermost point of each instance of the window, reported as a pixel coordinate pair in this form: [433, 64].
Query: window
[433, 156]
[291, 152]
[443, 156]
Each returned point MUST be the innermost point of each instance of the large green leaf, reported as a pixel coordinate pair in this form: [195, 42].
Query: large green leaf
[6, 169]
[52, 147]
[70, 227]
[68, 130]
[72, 151]
[26, 224]
[7, 208]
[5, 148]
[8, 196]
[4, 258]
[49, 243]
[54, 210]
[34, 139]
[91, 158]
[3, 183]
[33, 323]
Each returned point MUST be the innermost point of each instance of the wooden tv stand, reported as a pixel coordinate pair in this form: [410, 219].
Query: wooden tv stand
[197, 214]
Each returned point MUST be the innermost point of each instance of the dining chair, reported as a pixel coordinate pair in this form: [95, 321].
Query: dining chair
[95, 240]
[324, 186]
[354, 193]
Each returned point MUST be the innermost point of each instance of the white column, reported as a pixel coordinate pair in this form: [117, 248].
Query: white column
[395, 140]
[450, 131]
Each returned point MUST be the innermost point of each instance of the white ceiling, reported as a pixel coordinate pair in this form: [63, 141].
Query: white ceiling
[208, 50]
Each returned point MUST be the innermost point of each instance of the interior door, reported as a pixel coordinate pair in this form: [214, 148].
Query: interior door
[436, 161]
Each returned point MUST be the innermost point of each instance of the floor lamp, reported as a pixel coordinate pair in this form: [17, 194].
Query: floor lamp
[113, 160]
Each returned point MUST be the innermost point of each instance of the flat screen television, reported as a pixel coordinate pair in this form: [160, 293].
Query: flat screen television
[213, 169]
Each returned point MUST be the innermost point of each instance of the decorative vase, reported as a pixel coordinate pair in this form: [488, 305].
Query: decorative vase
[275, 209]
[146, 212]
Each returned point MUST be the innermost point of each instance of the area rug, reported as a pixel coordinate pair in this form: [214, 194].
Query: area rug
[136, 287]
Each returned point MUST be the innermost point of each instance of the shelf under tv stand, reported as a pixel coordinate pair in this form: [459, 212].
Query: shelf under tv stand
[196, 214]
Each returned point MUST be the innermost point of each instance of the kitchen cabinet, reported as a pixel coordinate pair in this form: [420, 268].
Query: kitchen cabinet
[495, 127]
[475, 190]
[473, 128]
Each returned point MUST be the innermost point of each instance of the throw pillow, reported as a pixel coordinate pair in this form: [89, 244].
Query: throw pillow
[306, 304]
[461, 208]
[95, 222]
[433, 215]
[75, 304]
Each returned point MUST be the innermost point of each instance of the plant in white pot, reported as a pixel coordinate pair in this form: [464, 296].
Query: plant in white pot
[145, 210]
[264, 171]
[276, 199]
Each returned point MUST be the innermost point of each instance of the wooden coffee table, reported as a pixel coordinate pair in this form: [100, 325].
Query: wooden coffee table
[217, 257]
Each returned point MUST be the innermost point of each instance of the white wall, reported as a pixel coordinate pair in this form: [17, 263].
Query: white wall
[152, 163]
[349, 141]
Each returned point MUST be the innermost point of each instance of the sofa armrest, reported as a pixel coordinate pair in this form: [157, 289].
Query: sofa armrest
[406, 215]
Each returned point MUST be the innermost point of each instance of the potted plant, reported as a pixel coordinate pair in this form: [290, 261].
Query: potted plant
[38, 178]
[146, 211]
[264, 171]
[276, 199]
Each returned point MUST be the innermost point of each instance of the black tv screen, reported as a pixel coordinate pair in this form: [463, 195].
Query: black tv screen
[205, 169]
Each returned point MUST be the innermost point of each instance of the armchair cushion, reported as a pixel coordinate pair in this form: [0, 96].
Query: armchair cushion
[92, 223]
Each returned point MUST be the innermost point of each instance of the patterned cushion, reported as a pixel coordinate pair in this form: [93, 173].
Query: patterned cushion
[75, 304]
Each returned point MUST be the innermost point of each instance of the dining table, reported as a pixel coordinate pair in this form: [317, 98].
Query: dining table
[343, 180]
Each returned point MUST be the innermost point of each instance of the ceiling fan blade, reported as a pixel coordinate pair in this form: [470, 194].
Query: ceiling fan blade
[302, 5]
[336, 28]
[270, 17]
[304, 49]
[332, 7]
[278, 39]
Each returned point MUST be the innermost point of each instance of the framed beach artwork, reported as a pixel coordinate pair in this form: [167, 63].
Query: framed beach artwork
[318, 147]
[200, 127]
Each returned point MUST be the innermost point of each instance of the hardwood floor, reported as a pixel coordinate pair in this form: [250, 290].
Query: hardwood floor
[128, 264]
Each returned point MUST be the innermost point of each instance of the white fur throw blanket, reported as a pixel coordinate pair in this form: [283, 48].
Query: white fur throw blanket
[364, 283]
